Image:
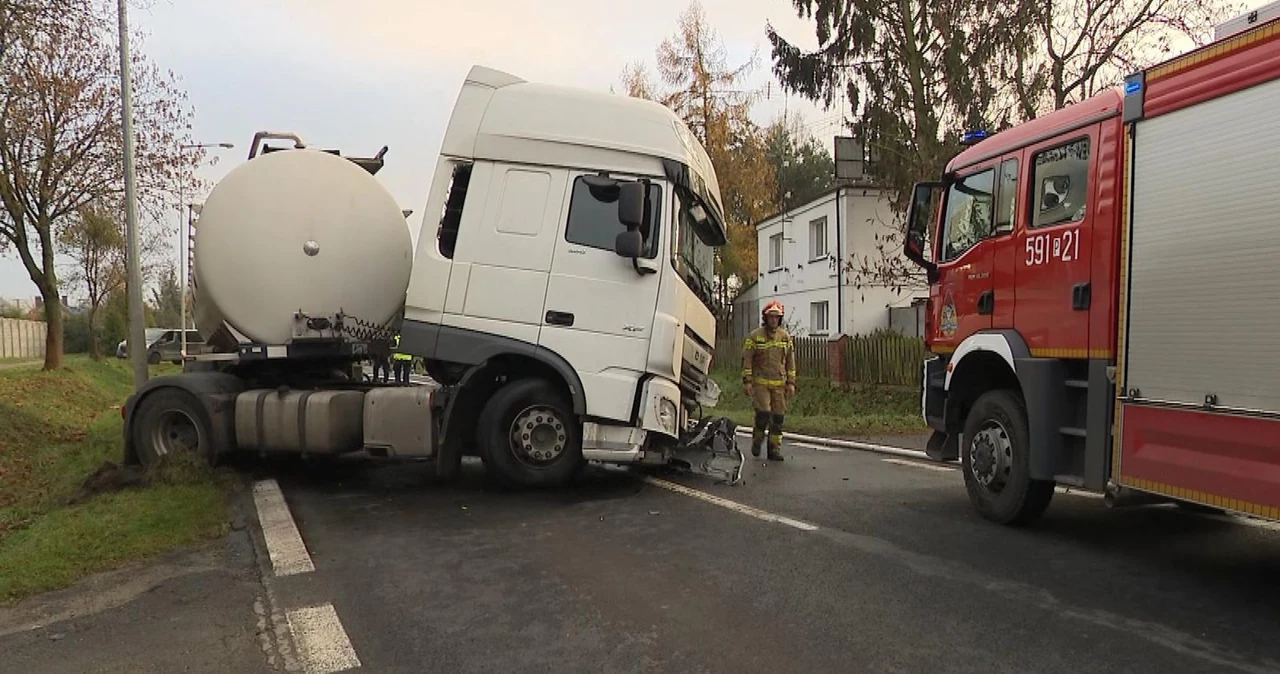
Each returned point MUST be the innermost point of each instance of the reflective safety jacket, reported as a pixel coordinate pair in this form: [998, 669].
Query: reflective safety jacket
[769, 358]
[396, 353]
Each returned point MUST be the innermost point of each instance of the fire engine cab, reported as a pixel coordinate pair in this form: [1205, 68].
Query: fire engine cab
[1104, 305]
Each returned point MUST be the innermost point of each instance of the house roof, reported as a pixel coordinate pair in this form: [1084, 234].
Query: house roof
[820, 197]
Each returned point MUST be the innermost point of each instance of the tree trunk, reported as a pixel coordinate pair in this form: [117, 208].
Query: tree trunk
[95, 349]
[53, 336]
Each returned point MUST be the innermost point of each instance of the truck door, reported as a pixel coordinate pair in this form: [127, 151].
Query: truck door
[599, 308]
[964, 301]
[501, 265]
[1052, 289]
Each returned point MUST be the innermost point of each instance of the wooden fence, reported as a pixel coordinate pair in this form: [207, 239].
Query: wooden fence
[884, 358]
[881, 358]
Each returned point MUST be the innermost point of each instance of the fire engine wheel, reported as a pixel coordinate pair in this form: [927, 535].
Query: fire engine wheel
[528, 435]
[170, 421]
[995, 459]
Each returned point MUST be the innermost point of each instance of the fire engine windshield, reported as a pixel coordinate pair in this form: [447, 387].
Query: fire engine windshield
[968, 214]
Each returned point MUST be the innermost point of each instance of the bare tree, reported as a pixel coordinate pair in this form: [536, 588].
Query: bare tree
[94, 241]
[1077, 48]
[61, 142]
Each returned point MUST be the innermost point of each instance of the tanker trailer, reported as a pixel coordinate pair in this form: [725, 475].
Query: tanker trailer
[556, 329]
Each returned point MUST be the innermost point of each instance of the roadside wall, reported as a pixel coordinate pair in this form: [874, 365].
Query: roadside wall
[22, 339]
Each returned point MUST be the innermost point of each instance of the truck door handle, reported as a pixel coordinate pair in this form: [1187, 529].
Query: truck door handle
[987, 302]
[1081, 296]
[559, 318]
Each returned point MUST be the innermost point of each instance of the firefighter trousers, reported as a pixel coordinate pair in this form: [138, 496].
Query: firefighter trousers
[770, 403]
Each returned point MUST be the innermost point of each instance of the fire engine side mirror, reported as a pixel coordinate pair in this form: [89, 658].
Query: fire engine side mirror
[915, 244]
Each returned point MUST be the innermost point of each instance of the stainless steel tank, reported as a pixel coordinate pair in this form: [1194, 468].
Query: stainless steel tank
[297, 231]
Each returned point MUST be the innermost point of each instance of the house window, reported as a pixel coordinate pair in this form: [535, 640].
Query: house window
[818, 238]
[775, 251]
[818, 318]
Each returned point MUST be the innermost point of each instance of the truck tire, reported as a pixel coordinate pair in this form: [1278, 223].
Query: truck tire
[528, 435]
[153, 358]
[995, 457]
[170, 420]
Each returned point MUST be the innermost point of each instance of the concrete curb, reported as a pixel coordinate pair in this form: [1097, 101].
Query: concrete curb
[851, 445]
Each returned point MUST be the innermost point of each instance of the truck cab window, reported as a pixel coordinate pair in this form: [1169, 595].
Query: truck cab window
[691, 255]
[1060, 183]
[968, 214]
[1008, 196]
[593, 218]
[447, 234]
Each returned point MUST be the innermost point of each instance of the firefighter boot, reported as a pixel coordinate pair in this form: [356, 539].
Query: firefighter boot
[758, 432]
[775, 438]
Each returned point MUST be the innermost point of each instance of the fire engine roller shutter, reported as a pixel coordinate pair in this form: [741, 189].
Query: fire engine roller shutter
[1204, 308]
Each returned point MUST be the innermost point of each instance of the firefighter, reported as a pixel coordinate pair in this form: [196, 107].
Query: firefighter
[380, 357]
[769, 377]
[401, 362]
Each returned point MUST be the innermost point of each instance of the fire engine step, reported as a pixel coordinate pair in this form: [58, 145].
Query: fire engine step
[1073, 431]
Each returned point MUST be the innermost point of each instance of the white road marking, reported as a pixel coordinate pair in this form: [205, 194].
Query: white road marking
[284, 543]
[830, 445]
[731, 505]
[1076, 491]
[322, 643]
[918, 464]
[951, 468]
[819, 448]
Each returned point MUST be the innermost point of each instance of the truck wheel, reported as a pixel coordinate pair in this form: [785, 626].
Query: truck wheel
[995, 457]
[153, 358]
[528, 435]
[169, 421]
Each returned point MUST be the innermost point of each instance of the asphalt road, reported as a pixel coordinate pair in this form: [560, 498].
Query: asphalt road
[881, 567]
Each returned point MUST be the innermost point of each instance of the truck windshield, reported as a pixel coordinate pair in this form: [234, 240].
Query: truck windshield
[691, 255]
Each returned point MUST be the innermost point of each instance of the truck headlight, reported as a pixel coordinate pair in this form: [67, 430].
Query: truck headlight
[667, 415]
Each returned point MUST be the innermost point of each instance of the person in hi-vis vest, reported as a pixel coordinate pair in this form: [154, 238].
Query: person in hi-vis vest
[769, 376]
[401, 362]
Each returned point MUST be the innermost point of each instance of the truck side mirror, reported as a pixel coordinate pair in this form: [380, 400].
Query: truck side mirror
[629, 244]
[631, 202]
[921, 210]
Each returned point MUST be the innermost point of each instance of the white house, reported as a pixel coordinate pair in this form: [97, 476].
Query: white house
[799, 254]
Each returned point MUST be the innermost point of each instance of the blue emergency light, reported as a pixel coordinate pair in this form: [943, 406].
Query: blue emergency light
[974, 137]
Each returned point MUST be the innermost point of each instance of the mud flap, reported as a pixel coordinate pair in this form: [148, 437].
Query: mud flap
[710, 448]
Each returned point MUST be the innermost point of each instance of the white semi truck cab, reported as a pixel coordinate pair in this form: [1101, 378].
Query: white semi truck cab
[559, 294]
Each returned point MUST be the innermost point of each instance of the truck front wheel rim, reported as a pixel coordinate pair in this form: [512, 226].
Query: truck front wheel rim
[991, 456]
[538, 435]
[174, 432]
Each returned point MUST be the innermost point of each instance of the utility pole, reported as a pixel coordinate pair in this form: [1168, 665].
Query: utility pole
[137, 349]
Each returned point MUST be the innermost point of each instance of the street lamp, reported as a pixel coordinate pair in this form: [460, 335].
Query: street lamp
[184, 240]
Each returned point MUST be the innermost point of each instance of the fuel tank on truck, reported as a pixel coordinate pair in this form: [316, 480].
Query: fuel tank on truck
[297, 231]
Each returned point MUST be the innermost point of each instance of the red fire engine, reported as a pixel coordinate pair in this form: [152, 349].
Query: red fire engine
[1104, 304]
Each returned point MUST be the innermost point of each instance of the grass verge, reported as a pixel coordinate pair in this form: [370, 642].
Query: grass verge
[56, 428]
[827, 410]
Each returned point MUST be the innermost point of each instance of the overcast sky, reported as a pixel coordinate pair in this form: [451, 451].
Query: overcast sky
[359, 75]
